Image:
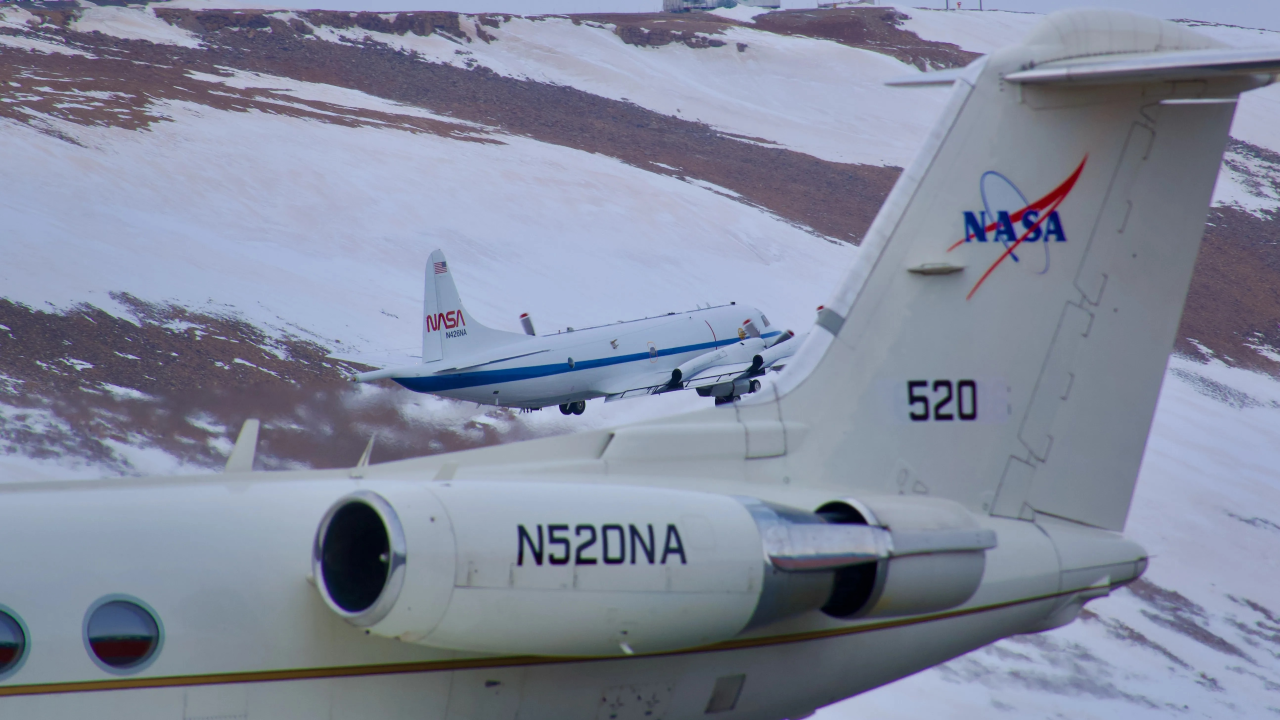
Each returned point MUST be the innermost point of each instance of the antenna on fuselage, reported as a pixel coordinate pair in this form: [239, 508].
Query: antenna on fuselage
[241, 458]
[363, 462]
[368, 451]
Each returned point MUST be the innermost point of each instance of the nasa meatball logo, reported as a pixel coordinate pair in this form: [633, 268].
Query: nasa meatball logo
[1010, 227]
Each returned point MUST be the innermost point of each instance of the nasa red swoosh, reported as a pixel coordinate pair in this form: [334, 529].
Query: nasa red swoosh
[1050, 202]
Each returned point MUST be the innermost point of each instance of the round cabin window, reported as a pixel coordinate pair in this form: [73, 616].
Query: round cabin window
[13, 643]
[122, 635]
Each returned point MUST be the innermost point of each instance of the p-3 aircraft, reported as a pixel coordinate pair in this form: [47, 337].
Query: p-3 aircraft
[713, 350]
[948, 460]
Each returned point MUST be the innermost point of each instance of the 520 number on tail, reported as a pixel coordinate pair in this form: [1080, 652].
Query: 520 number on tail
[942, 400]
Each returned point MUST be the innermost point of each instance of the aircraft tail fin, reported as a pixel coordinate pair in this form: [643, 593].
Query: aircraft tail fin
[1003, 334]
[449, 332]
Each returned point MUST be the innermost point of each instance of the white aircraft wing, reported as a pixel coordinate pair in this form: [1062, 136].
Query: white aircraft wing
[718, 374]
[646, 383]
[721, 365]
[773, 357]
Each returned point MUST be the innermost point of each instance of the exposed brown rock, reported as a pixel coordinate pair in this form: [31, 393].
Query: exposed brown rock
[659, 29]
[875, 29]
[1124, 633]
[59, 18]
[634, 35]
[36, 87]
[1234, 299]
[835, 200]
[417, 23]
[69, 378]
[1172, 610]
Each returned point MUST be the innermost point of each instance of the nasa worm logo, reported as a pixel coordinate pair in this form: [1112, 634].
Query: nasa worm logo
[1015, 228]
[451, 321]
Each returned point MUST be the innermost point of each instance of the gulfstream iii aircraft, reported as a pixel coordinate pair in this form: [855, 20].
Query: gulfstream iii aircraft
[948, 460]
[713, 350]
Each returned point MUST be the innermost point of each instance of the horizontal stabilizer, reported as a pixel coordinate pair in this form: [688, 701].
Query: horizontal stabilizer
[1187, 65]
[633, 393]
[381, 358]
[927, 79]
[482, 363]
[771, 357]
[385, 373]
[646, 383]
[424, 369]
[719, 374]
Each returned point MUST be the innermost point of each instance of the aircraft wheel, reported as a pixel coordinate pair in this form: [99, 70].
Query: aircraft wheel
[565, 408]
[755, 386]
[579, 407]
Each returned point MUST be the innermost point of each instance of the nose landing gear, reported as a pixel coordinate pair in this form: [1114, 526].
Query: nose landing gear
[573, 408]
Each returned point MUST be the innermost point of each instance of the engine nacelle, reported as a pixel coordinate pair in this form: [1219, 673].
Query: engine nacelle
[733, 388]
[582, 569]
[936, 561]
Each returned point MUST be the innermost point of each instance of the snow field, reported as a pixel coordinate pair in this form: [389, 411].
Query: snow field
[980, 32]
[313, 227]
[133, 24]
[813, 96]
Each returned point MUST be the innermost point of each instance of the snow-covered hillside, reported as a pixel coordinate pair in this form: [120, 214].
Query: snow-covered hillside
[199, 206]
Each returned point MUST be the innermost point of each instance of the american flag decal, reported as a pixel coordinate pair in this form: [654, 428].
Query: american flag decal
[442, 267]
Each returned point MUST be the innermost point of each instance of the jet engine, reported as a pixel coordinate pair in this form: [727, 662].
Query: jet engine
[585, 569]
[936, 561]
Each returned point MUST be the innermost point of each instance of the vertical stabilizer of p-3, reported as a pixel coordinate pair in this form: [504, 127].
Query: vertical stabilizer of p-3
[449, 332]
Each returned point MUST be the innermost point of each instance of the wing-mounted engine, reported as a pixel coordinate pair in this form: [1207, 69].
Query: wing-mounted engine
[735, 359]
[731, 372]
[573, 569]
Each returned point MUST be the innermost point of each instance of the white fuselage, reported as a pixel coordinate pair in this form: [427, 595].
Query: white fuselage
[223, 561]
[581, 364]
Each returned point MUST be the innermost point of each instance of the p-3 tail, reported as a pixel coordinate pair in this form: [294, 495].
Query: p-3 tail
[449, 332]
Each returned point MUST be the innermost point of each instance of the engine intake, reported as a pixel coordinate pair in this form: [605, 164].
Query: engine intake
[359, 558]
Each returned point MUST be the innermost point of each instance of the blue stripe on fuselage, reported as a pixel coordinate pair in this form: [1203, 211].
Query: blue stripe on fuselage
[458, 381]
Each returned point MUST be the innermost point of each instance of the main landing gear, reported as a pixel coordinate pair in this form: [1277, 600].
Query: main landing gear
[573, 408]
